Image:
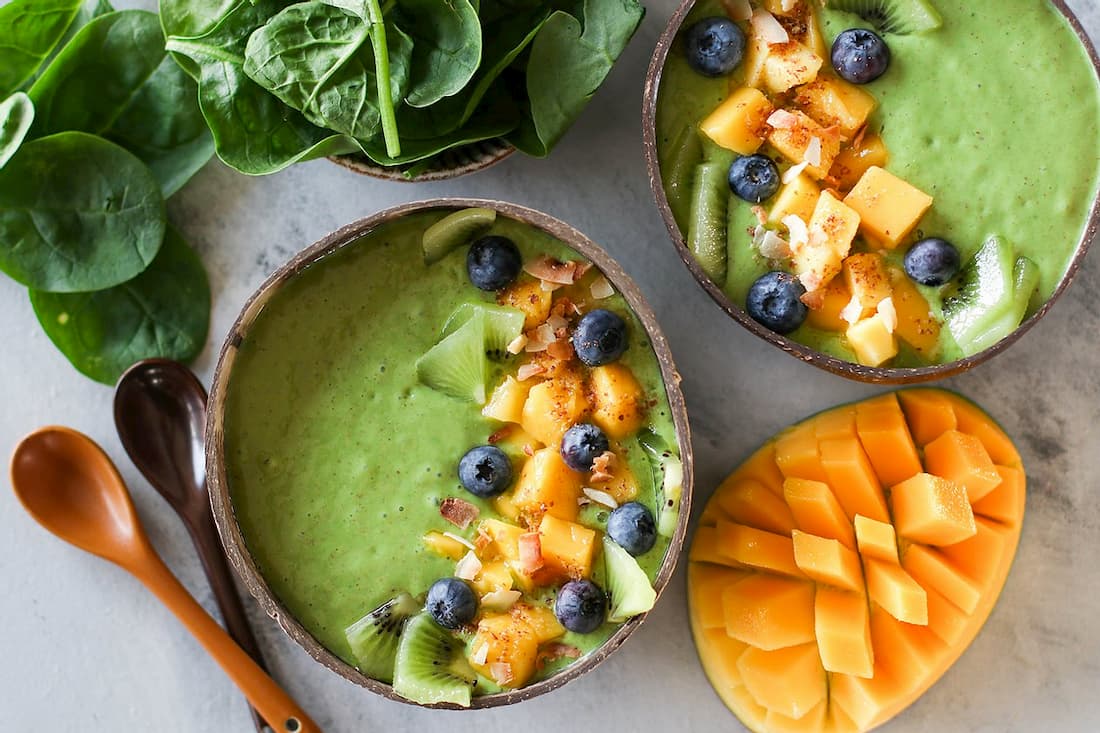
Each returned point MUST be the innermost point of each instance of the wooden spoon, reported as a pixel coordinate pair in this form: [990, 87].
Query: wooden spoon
[69, 485]
[160, 415]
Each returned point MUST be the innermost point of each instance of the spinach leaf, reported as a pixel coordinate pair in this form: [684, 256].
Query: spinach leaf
[314, 57]
[114, 79]
[77, 213]
[192, 18]
[567, 66]
[16, 116]
[163, 312]
[89, 11]
[447, 45]
[29, 32]
[254, 132]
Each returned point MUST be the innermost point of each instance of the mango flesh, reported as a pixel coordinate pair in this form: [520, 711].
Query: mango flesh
[809, 615]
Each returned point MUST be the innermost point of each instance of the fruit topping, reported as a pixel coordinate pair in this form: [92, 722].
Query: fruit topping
[888, 207]
[714, 46]
[754, 178]
[502, 325]
[628, 586]
[600, 337]
[493, 262]
[453, 231]
[430, 666]
[860, 55]
[632, 526]
[458, 511]
[485, 471]
[932, 261]
[374, 638]
[581, 445]
[775, 301]
[897, 17]
[739, 123]
[451, 603]
[581, 606]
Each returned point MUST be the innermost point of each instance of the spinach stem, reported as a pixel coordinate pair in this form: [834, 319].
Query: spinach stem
[382, 74]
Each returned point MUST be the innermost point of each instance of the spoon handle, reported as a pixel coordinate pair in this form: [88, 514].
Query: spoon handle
[204, 535]
[276, 707]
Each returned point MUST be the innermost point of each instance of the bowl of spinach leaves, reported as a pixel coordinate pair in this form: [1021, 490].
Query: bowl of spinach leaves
[400, 89]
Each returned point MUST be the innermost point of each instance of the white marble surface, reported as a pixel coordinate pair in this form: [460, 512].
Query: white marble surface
[84, 648]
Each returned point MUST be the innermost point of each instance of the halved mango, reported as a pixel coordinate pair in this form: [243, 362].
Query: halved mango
[790, 681]
[885, 436]
[932, 510]
[750, 502]
[962, 458]
[770, 612]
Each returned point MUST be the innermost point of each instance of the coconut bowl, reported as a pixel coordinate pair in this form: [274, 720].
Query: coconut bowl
[222, 504]
[882, 375]
[451, 163]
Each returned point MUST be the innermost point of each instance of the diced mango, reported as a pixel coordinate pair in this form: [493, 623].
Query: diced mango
[856, 159]
[932, 510]
[762, 466]
[739, 123]
[789, 65]
[827, 561]
[797, 454]
[618, 400]
[840, 422]
[814, 38]
[444, 546]
[756, 54]
[797, 198]
[888, 207]
[917, 325]
[817, 512]
[837, 721]
[754, 548]
[781, 7]
[811, 722]
[853, 479]
[505, 640]
[494, 576]
[826, 314]
[527, 295]
[842, 623]
[706, 548]
[931, 570]
[567, 547]
[505, 507]
[928, 412]
[885, 436]
[868, 281]
[831, 101]
[1005, 503]
[832, 228]
[864, 700]
[973, 421]
[750, 502]
[708, 583]
[552, 407]
[872, 340]
[895, 590]
[979, 557]
[945, 620]
[914, 650]
[547, 486]
[790, 681]
[623, 484]
[769, 612]
[877, 540]
[751, 712]
[541, 620]
[506, 402]
[719, 654]
[794, 141]
[963, 459]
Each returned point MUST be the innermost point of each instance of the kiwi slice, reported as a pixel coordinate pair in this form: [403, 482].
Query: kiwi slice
[502, 325]
[1025, 281]
[457, 365]
[431, 666]
[900, 17]
[627, 584]
[983, 298]
[668, 478]
[453, 231]
[687, 153]
[707, 227]
[373, 639]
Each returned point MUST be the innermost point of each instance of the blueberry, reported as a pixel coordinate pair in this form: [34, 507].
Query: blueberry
[631, 525]
[600, 337]
[714, 46]
[775, 300]
[932, 261]
[581, 606]
[581, 445]
[860, 56]
[493, 262]
[485, 471]
[754, 178]
[451, 603]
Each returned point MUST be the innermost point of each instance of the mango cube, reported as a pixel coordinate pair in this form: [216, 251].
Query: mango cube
[794, 141]
[945, 620]
[961, 458]
[720, 654]
[444, 546]
[494, 576]
[833, 101]
[814, 720]
[856, 159]
[547, 486]
[754, 548]
[929, 413]
[739, 123]
[756, 54]
[873, 341]
[885, 436]
[842, 622]
[790, 681]
[618, 400]
[876, 540]
[552, 407]
[541, 620]
[769, 612]
[868, 280]
[840, 422]
[789, 65]
[504, 640]
[914, 650]
[832, 228]
[709, 582]
[917, 325]
[853, 479]
[863, 700]
[567, 547]
[827, 561]
[797, 198]
[817, 511]
[706, 548]
[932, 570]
[750, 502]
[623, 484]
[1005, 503]
[527, 295]
[506, 402]
[505, 539]
[826, 313]
[979, 557]
[895, 590]
[797, 454]
[932, 510]
[888, 207]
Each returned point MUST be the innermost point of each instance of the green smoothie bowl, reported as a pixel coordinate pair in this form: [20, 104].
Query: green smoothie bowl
[449, 454]
[891, 190]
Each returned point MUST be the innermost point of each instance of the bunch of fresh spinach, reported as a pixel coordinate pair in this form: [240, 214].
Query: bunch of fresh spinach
[399, 81]
[98, 125]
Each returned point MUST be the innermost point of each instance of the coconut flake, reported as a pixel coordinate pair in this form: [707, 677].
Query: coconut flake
[781, 119]
[788, 5]
[545, 333]
[555, 322]
[548, 286]
[560, 349]
[501, 672]
[774, 247]
[813, 152]
[468, 567]
[554, 651]
[738, 9]
[768, 28]
[458, 512]
[758, 235]
[601, 288]
[853, 311]
[530, 552]
[480, 654]
[889, 314]
[550, 270]
[799, 233]
[601, 497]
[526, 371]
[516, 345]
[795, 171]
[460, 540]
[499, 600]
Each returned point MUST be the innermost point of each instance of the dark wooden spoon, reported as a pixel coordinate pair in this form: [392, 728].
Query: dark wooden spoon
[160, 415]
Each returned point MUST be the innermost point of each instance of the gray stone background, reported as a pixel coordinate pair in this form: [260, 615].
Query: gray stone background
[83, 647]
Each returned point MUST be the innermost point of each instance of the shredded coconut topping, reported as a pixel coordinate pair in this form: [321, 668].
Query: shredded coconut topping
[795, 171]
[461, 540]
[499, 600]
[601, 497]
[601, 288]
[853, 311]
[774, 247]
[768, 28]
[516, 345]
[889, 314]
[799, 233]
[526, 371]
[480, 654]
[813, 152]
[458, 512]
[781, 119]
[468, 567]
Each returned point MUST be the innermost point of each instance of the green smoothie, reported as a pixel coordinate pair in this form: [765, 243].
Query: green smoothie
[338, 457]
[996, 115]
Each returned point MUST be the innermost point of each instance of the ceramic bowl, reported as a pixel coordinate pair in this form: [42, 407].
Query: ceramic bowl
[221, 502]
[884, 375]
